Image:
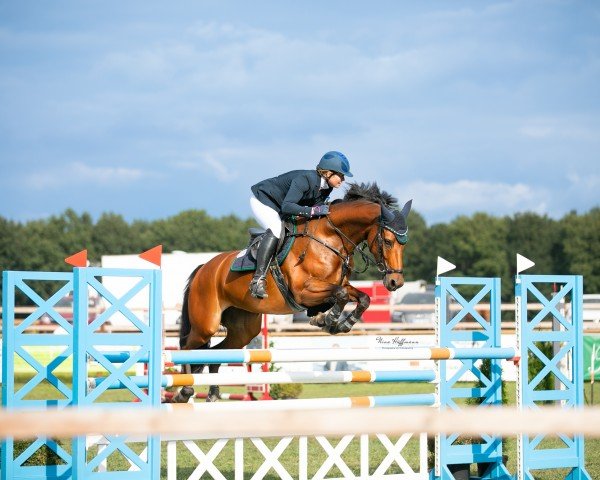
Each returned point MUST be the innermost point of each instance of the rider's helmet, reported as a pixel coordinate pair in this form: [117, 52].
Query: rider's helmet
[336, 162]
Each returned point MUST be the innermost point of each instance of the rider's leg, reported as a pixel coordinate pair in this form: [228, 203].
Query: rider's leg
[269, 219]
[267, 247]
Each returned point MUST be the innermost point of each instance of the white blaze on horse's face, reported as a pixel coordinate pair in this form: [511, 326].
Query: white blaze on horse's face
[392, 253]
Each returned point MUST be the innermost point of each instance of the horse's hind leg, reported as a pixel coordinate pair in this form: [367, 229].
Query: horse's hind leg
[242, 327]
[186, 392]
[199, 335]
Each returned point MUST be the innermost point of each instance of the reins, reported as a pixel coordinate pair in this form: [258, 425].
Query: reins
[346, 259]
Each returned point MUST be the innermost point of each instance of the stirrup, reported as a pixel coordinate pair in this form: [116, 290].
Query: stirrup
[258, 287]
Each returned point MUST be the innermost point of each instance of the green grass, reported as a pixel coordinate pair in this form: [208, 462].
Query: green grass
[224, 461]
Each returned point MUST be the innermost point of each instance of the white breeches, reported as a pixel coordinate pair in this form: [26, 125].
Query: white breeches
[266, 216]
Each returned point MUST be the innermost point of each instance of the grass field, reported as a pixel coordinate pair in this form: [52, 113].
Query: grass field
[224, 461]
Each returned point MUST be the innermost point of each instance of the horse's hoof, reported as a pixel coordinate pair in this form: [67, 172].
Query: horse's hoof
[331, 329]
[183, 395]
[318, 320]
[346, 324]
[214, 394]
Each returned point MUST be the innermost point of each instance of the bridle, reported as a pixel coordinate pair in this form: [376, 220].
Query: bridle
[380, 263]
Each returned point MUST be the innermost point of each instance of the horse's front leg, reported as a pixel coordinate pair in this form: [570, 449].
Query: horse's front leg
[317, 292]
[362, 303]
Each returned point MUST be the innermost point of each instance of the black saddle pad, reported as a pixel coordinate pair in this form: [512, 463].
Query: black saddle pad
[245, 262]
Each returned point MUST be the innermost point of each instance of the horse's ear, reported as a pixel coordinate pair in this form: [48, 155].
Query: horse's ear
[386, 214]
[406, 208]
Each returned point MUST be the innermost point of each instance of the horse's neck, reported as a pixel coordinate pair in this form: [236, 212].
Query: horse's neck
[356, 219]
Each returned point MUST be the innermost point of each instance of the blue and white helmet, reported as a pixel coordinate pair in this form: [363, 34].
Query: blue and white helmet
[336, 162]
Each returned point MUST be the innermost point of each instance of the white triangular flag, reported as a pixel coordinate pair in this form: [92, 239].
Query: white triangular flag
[444, 266]
[523, 263]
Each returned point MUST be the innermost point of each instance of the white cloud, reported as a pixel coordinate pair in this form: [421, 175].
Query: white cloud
[437, 200]
[580, 192]
[186, 165]
[536, 131]
[572, 127]
[78, 173]
[219, 169]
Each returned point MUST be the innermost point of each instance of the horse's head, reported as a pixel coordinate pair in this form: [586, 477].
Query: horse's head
[383, 226]
[387, 245]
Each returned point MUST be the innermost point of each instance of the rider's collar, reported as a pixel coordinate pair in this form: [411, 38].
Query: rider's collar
[324, 185]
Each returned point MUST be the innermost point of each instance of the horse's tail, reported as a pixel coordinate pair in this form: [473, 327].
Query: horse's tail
[186, 327]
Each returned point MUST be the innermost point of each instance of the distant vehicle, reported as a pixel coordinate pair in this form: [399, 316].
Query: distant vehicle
[65, 308]
[591, 307]
[415, 307]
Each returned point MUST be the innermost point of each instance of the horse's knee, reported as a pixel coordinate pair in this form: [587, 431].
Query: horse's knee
[341, 295]
[364, 300]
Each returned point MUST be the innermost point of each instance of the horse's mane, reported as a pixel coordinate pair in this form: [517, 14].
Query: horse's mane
[371, 193]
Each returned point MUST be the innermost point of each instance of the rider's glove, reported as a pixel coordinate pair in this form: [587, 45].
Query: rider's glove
[319, 210]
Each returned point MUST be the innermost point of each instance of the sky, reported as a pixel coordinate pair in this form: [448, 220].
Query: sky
[147, 109]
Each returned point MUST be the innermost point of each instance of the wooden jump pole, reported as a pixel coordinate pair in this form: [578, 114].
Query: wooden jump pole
[70, 422]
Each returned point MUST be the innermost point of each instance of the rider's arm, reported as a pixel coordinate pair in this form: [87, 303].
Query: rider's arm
[298, 188]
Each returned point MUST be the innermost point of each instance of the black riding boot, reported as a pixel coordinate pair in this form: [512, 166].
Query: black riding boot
[263, 257]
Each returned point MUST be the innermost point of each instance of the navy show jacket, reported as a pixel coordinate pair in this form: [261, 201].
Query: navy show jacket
[292, 193]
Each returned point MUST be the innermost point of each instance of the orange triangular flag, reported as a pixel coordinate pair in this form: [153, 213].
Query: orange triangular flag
[153, 255]
[78, 260]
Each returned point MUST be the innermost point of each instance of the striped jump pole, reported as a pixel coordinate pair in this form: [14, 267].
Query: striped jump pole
[248, 378]
[416, 399]
[320, 355]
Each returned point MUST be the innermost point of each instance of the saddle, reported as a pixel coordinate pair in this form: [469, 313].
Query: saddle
[246, 259]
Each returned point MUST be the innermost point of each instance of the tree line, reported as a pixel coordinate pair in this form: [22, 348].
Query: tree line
[479, 245]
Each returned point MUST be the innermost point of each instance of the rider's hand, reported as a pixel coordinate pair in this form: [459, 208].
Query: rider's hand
[319, 210]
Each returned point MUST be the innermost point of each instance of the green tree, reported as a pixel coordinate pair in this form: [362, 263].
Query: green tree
[417, 261]
[112, 235]
[478, 246]
[537, 238]
[437, 242]
[580, 238]
[10, 244]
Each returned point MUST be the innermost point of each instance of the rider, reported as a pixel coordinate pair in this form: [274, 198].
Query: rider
[299, 192]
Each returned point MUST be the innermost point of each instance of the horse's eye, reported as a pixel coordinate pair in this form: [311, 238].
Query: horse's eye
[388, 243]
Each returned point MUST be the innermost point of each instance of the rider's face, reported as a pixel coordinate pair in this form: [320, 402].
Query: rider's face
[335, 180]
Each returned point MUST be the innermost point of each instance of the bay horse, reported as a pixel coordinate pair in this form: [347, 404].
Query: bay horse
[316, 270]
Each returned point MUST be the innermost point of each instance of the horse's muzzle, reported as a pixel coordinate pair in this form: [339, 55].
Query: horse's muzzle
[393, 281]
